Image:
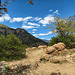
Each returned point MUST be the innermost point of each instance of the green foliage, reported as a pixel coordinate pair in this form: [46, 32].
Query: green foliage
[65, 26]
[11, 48]
[64, 39]
[65, 30]
[53, 41]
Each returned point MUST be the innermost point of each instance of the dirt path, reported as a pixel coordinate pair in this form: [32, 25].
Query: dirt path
[32, 56]
[45, 68]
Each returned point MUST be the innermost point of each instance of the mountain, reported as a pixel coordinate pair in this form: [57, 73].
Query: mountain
[48, 41]
[3, 26]
[23, 35]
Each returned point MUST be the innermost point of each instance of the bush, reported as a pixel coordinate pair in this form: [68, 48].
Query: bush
[67, 41]
[11, 48]
[53, 41]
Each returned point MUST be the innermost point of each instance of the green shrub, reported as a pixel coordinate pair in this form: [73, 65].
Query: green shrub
[11, 48]
[66, 40]
[53, 41]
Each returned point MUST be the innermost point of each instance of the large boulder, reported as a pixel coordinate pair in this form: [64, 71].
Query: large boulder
[59, 46]
[42, 46]
[63, 52]
[50, 50]
[33, 48]
[55, 53]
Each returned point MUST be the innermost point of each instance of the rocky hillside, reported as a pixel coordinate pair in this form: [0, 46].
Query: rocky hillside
[22, 34]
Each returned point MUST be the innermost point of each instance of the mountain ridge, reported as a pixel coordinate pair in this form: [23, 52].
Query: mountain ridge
[23, 35]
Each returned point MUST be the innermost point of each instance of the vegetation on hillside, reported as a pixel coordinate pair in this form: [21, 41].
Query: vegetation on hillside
[3, 26]
[11, 48]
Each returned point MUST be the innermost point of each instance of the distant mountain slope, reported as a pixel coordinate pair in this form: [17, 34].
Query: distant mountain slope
[48, 41]
[22, 34]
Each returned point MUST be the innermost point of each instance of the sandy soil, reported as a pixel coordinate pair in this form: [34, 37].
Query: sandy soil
[47, 67]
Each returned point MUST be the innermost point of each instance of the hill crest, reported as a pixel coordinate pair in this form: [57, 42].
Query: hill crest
[23, 35]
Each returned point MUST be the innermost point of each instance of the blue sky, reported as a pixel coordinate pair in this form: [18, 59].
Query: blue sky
[34, 18]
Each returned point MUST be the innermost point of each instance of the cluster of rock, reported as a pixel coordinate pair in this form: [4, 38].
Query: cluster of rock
[56, 54]
[34, 48]
[57, 49]
[21, 69]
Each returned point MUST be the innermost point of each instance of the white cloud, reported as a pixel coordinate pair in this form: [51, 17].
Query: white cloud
[30, 25]
[19, 19]
[47, 19]
[13, 27]
[50, 10]
[34, 24]
[37, 18]
[44, 25]
[36, 35]
[56, 12]
[27, 27]
[34, 30]
[27, 18]
[42, 34]
[5, 17]
[1, 19]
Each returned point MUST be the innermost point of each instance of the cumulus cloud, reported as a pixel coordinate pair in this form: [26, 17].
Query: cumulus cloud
[6, 17]
[56, 12]
[34, 24]
[13, 27]
[27, 27]
[1, 19]
[42, 34]
[34, 29]
[19, 19]
[36, 35]
[47, 19]
[27, 18]
[37, 18]
[33, 32]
